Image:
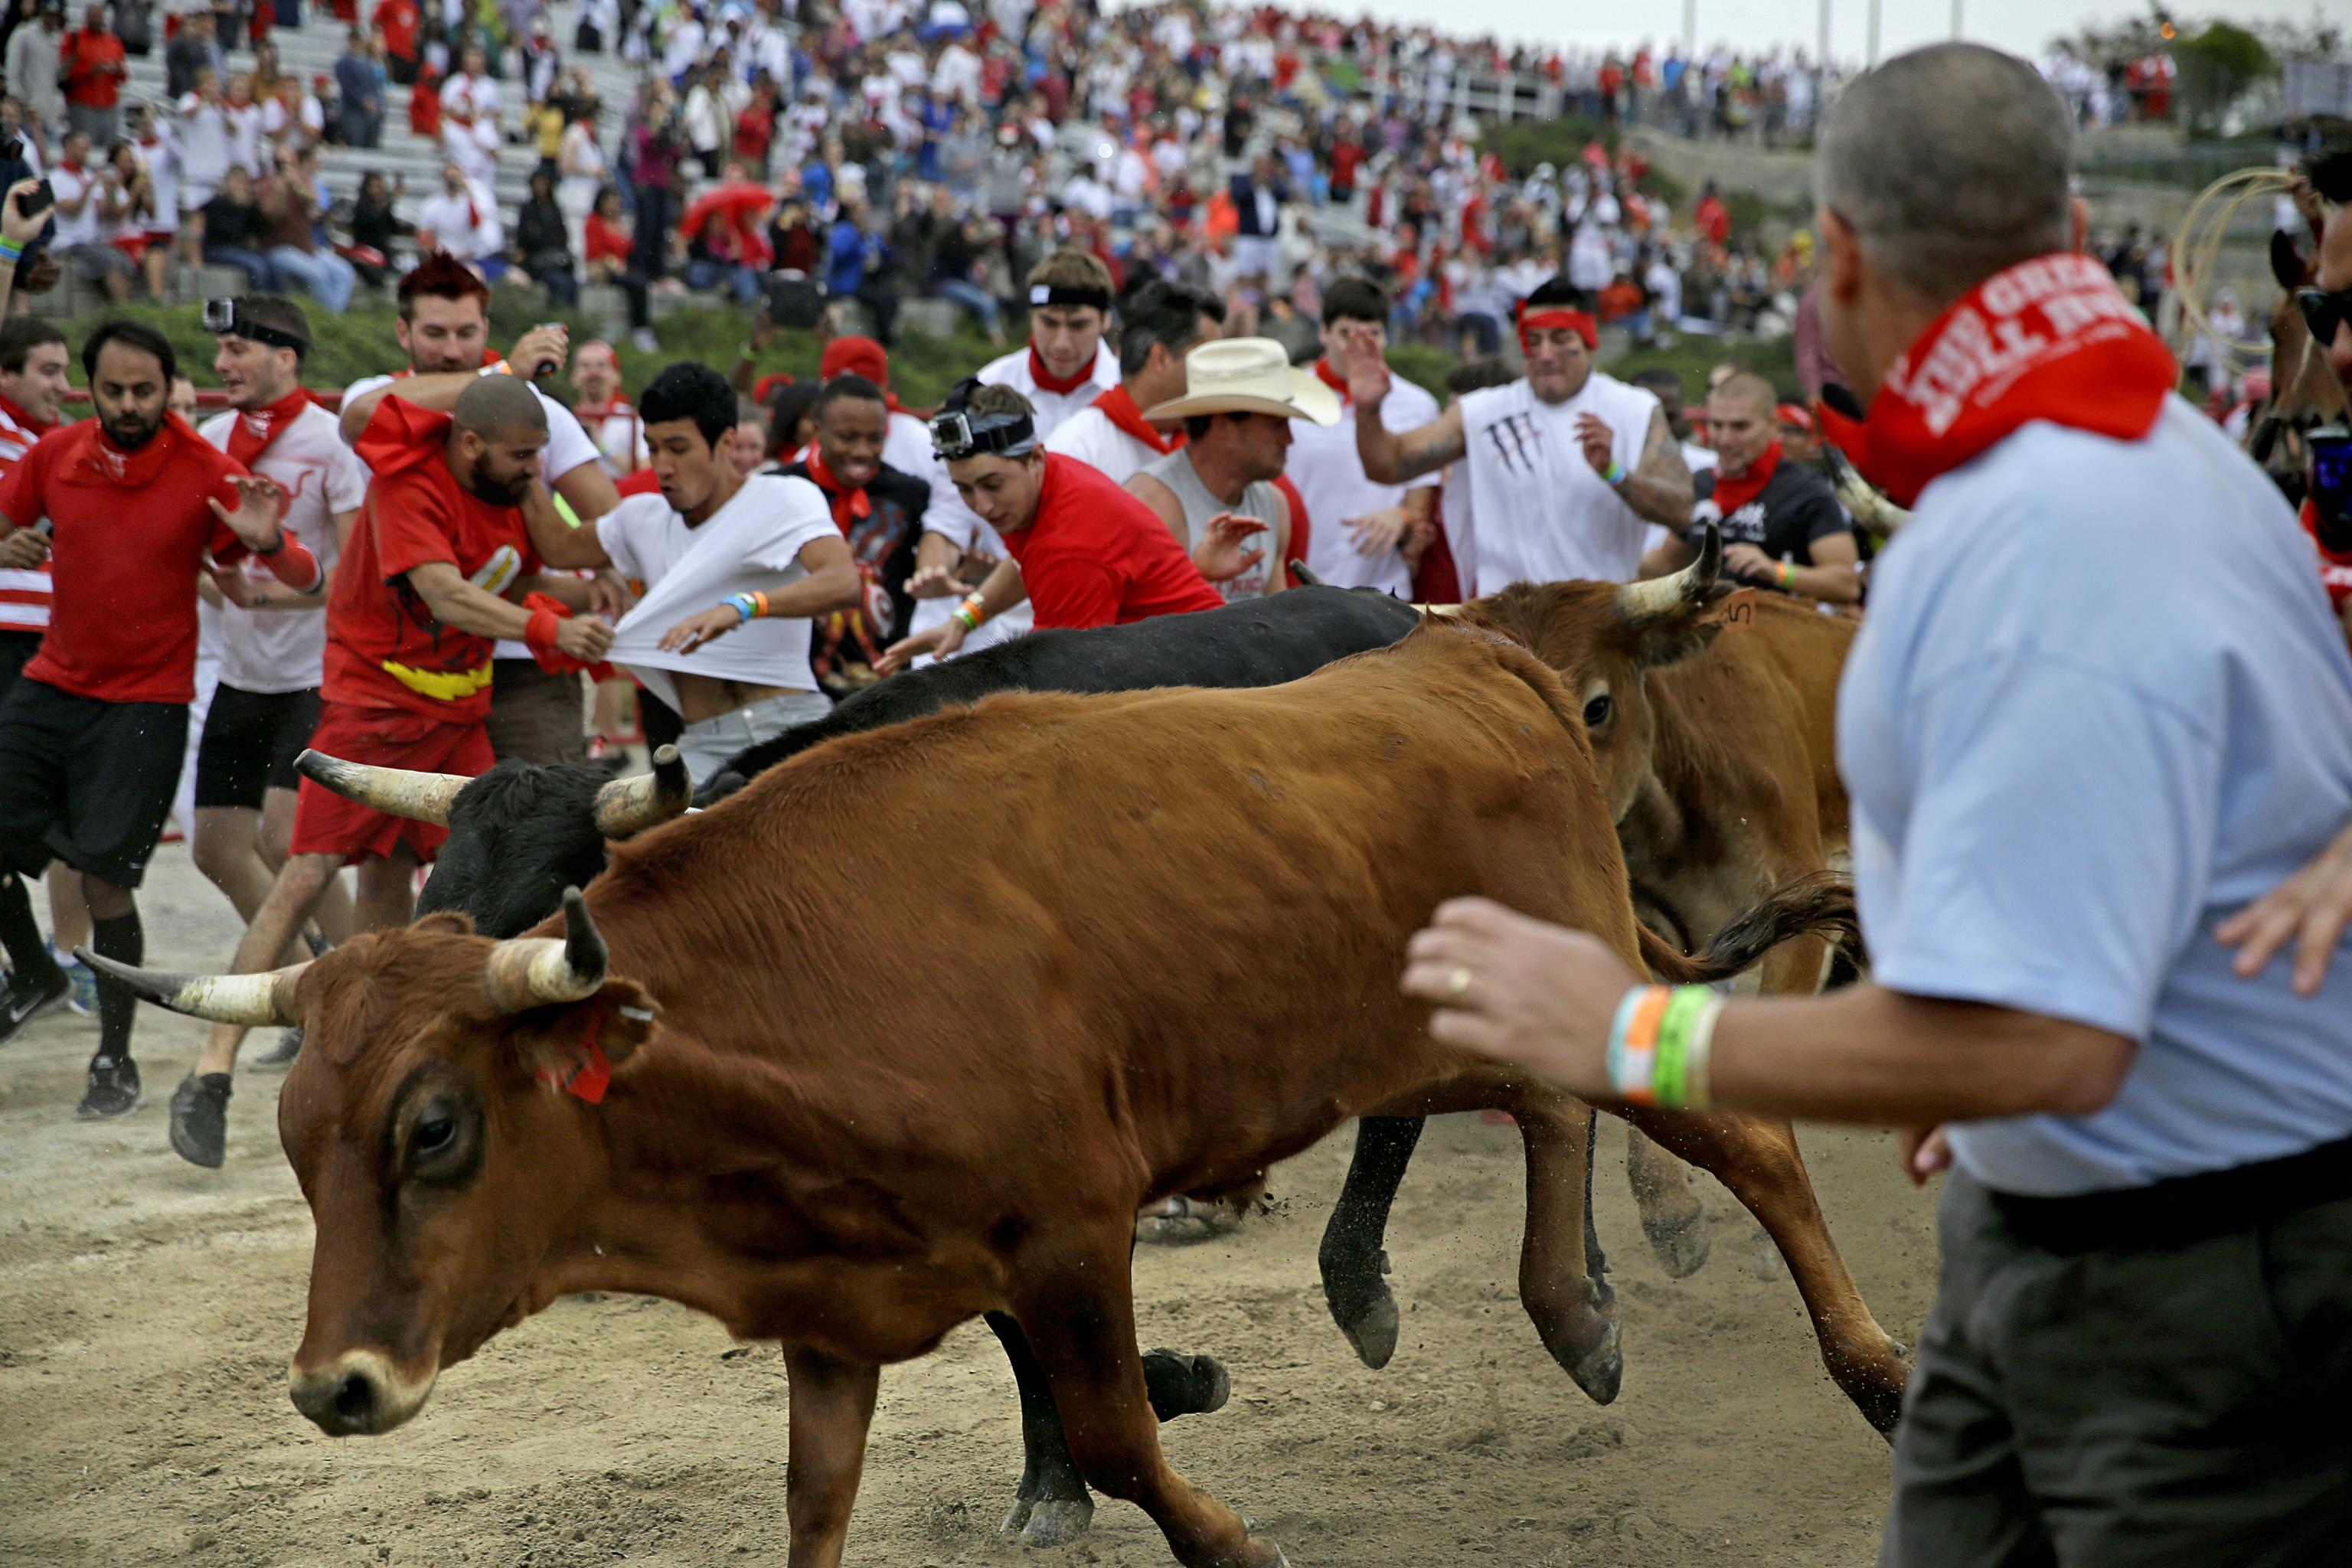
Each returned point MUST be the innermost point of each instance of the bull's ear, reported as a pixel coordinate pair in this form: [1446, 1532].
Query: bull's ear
[560, 1046]
[1688, 633]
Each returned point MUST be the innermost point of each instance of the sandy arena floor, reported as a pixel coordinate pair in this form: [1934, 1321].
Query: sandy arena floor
[147, 1310]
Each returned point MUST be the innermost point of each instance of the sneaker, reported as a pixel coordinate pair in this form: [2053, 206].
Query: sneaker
[83, 998]
[113, 1088]
[199, 1118]
[281, 1054]
[27, 997]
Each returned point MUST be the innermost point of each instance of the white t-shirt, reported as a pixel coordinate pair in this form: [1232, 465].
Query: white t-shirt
[466, 225]
[1535, 507]
[84, 227]
[244, 136]
[907, 445]
[160, 154]
[1330, 480]
[282, 650]
[205, 155]
[1090, 437]
[567, 448]
[745, 544]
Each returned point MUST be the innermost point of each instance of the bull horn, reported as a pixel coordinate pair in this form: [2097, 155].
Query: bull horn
[247, 999]
[626, 806]
[526, 972]
[1449, 611]
[1304, 578]
[1641, 602]
[424, 797]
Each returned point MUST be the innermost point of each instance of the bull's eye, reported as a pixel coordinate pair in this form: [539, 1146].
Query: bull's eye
[434, 1133]
[1597, 710]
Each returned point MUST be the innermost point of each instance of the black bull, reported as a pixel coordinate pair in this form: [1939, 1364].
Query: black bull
[520, 834]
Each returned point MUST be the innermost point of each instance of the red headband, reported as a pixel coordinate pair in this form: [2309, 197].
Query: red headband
[1550, 318]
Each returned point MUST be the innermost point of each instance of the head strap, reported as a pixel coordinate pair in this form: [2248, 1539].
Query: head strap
[957, 434]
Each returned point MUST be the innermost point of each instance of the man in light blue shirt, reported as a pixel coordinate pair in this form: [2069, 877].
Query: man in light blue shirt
[2100, 704]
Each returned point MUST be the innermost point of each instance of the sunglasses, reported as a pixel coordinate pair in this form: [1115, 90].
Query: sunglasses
[2324, 310]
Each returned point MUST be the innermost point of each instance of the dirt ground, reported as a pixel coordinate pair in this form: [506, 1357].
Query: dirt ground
[147, 1310]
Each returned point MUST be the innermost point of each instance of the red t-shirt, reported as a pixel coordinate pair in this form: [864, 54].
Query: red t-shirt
[127, 535]
[384, 649]
[399, 19]
[1095, 556]
[85, 54]
[603, 241]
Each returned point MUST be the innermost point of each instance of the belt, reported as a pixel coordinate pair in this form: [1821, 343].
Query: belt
[443, 685]
[2184, 1209]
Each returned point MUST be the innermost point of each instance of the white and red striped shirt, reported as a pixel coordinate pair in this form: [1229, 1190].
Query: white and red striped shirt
[23, 592]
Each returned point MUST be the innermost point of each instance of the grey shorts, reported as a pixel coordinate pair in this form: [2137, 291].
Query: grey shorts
[2178, 1405]
[709, 744]
[535, 715]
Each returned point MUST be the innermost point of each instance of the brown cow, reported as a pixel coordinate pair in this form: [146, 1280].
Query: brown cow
[804, 1140]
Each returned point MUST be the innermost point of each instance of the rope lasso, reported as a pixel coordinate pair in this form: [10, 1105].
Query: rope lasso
[2197, 255]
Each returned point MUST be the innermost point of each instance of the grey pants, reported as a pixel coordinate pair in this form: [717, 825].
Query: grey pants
[2180, 1405]
[709, 744]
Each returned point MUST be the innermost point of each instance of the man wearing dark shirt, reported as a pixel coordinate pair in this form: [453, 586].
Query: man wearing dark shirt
[1781, 525]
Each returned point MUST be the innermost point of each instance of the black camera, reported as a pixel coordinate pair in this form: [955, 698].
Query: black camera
[220, 316]
[2331, 486]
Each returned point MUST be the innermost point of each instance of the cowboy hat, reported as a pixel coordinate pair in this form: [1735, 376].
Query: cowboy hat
[1248, 375]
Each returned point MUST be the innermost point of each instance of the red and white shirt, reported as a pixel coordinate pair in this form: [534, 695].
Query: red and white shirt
[619, 432]
[23, 591]
[282, 650]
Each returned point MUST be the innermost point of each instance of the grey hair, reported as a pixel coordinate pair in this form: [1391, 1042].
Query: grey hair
[1951, 162]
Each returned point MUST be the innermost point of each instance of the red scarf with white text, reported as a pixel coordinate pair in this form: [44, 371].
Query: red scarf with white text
[255, 428]
[1117, 405]
[1048, 381]
[2047, 339]
[848, 505]
[1733, 491]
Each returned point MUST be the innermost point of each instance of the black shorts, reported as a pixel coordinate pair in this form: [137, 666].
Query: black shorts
[16, 651]
[86, 781]
[249, 744]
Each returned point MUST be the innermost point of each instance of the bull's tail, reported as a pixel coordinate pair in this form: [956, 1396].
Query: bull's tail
[1820, 903]
[1303, 577]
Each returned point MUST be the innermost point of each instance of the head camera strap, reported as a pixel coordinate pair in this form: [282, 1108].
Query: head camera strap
[1065, 294]
[956, 433]
[242, 326]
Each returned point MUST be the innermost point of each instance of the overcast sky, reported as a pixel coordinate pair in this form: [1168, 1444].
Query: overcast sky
[2025, 26]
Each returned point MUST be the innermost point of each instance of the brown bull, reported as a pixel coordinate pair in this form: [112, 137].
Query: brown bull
[804, 1141]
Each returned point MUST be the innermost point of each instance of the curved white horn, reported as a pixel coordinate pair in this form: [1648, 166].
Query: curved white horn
[247, 999]
[627, 806]
[1640, 603]
[526, 972]
[425, 797]
[1449, 611]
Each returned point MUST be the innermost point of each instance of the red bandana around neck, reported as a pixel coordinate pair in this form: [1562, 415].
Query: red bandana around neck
[103, 462]
[848, 505]
[25, 421]
[1331, 378]
[2049, 339]
[1117, 405]
[1733, 491]
[255, 428]
[1048, 381]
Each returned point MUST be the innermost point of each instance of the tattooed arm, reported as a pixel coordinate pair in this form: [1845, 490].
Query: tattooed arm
[1659, 488]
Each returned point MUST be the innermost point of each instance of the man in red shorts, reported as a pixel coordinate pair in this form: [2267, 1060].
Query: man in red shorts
[433, 574]
[1082, 549]
[124, 507]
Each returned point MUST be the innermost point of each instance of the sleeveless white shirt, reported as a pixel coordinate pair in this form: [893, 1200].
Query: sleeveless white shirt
[1535, 509]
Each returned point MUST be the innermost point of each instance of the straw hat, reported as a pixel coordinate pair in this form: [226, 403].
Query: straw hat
[1248, 375]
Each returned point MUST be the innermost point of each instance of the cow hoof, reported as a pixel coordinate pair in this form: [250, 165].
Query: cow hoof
[1181, 1385]
[1373, 1331]
[1016, 1517]
[1057, 1521]
[1682, 1247]
[1186, 1222]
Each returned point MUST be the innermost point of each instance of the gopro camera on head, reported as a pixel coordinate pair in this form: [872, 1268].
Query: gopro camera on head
[220, 316]
[951, 434]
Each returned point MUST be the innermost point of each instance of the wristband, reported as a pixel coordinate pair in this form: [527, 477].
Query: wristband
[749, 606]
[1662, 1045]
[539, 634]
[1616, 474]
[501, 368]
[971, 612]
[277, 547]
[10, 252]
[1788, 575]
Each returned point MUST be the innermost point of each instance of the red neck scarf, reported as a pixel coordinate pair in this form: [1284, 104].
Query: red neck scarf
[2047, 339]
[1117, 405]
[1733, 491]
[1331, 378]
[100, 461]
[848, 505]
[25, 421]
[1048, 381]
[255, 428]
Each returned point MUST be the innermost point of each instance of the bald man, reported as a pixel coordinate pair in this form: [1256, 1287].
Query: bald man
[438, 568]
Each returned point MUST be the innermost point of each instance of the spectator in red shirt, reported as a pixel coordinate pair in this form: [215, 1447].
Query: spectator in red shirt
[1085, 551]
[93, 733]
[401, 21]
[607, 249]
[439, 565]
[91, 60]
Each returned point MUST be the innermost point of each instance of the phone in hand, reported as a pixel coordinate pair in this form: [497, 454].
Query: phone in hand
[37, 200]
